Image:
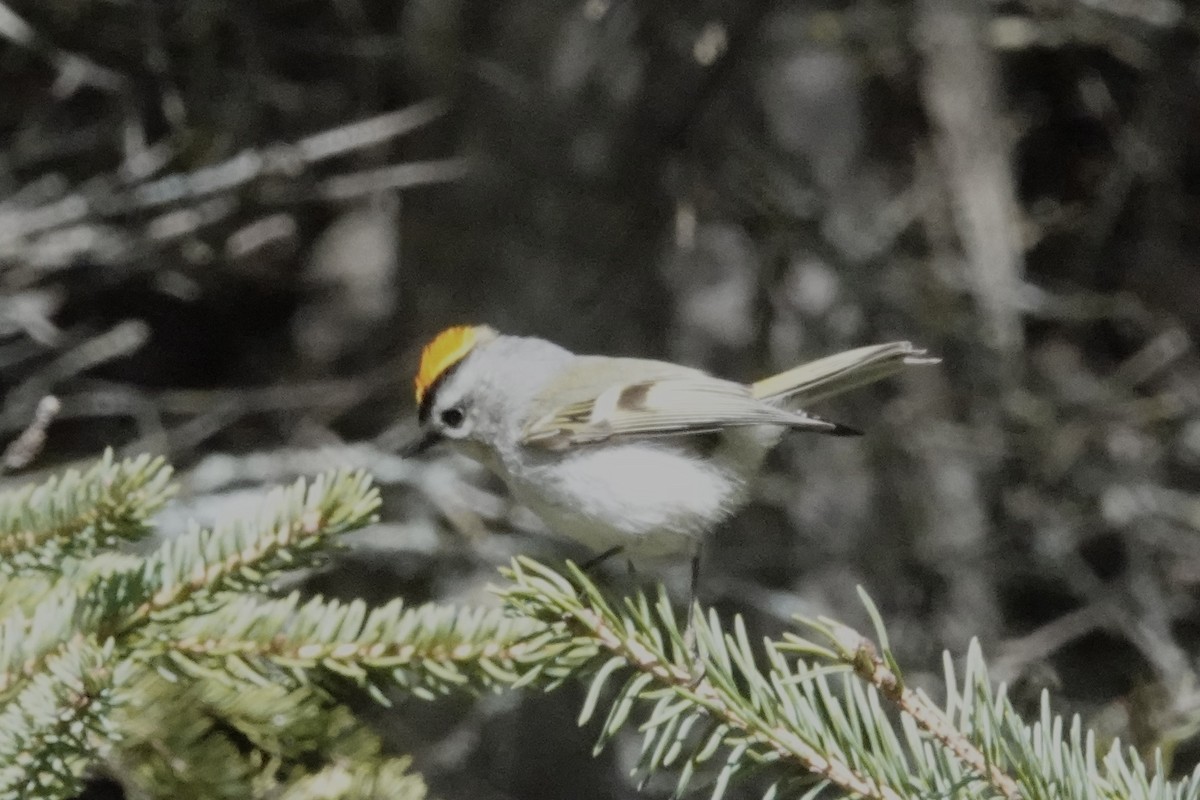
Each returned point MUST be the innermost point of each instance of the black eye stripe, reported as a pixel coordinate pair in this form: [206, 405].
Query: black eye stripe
[426, 407]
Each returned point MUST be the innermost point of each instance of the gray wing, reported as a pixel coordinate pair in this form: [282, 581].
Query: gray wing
[663, 399]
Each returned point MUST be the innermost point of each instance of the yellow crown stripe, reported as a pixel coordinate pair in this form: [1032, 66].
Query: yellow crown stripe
[447, 349]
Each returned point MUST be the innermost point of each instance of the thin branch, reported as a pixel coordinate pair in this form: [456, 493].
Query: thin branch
[397, 176]
[234, 173]
[960, 83]
[73, 70]
[861, 655]
[784, 743]
[633, 638]
[123, 339]
[26, 447]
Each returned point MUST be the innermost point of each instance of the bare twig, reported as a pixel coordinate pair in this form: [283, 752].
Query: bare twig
[73, 70]
[960, 86]
[1042, 643]
[398, 176]
[26, 447]
[1159, 13]
[120, 401]
[368, 132]
[226, 176]
[861, 655]
[121, 340]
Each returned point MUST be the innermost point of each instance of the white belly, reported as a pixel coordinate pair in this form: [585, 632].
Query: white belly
[653, 498]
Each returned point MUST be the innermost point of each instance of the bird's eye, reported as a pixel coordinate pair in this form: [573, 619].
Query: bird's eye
[452, 417]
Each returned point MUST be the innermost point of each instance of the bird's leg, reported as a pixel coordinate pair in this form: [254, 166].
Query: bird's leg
[588, 566]
[689, 632]
[695, 578]
[596, 560]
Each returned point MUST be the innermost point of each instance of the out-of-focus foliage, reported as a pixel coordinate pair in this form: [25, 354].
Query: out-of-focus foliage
[103, 668]
[226, 228]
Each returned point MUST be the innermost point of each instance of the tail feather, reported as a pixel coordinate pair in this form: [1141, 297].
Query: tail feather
[832, 375]
[815, 424]
[843, 430]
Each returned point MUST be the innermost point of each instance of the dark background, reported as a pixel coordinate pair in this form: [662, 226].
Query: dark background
[203, 256]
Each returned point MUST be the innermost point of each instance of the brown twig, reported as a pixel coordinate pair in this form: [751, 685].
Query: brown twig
[862, 656]
[704, 693]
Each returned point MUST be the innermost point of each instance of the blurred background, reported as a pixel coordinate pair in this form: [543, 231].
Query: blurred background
[226, 229]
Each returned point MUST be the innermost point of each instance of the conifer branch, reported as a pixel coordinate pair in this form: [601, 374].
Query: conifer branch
[58, 724]
[861, 655]
[389, 779]
[78, 513]
[291, 530]
[124, 600]
[295, 526]
[226, 734]
[27, 641]
[426, 650]
[812, 709]
[649, 641]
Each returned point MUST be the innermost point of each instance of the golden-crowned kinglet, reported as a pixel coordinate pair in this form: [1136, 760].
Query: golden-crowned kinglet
[623, 454]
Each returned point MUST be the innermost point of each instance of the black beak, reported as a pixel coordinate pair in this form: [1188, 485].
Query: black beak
[419, 445]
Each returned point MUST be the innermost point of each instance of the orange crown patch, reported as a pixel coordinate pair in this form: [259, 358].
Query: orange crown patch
[447, 349]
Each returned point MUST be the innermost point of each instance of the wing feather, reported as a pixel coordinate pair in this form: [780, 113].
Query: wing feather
[659, 407]
[600, 398]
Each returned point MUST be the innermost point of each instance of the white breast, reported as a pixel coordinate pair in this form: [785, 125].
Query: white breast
[653, 497]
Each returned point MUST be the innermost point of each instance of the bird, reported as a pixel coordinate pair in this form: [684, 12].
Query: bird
[623, 455]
